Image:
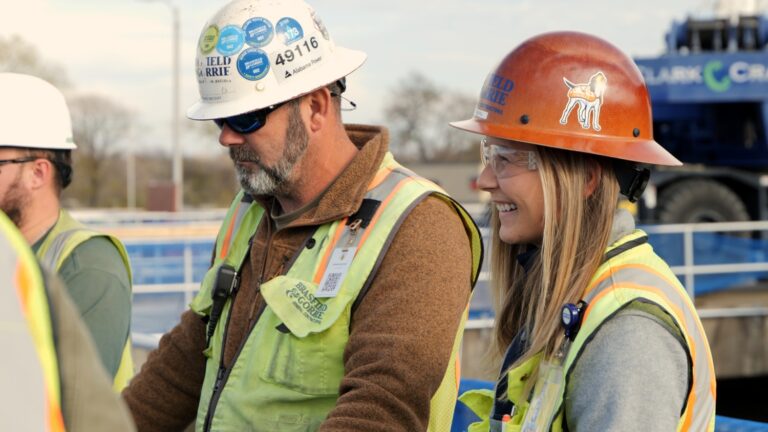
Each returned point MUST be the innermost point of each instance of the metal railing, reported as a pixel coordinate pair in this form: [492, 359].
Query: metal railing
[689, 269]
[133, 230]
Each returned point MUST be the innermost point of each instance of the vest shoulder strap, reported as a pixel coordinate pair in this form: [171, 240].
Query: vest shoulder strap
[66, 235]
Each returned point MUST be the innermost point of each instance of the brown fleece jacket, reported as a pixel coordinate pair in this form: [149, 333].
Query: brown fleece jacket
[401, 335]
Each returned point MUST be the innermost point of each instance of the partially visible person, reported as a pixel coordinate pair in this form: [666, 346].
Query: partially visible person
[35, 166]
[595, 331]
[52, 375]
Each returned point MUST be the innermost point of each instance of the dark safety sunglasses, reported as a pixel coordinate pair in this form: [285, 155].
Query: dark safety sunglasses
[247, 122]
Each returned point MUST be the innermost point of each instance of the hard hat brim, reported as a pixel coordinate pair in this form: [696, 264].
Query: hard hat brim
[631, 149]
[37, 145]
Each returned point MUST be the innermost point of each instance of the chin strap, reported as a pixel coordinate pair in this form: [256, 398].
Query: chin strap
[633, 179]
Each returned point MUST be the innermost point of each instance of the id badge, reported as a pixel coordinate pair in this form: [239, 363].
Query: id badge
[549, 387]
[337, 269]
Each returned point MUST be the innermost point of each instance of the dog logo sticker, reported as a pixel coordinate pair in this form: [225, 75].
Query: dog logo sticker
[588, 97]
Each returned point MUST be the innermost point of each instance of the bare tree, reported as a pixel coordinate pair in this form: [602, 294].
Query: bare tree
[410, 112]
[99, 126]
[16, 55]
[418, 111]
[454, 144]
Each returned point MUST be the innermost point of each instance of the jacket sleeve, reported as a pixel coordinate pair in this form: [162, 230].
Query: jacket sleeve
[165, 394]
[403, 331]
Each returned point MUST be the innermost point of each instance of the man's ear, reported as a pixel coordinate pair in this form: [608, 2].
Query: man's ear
[594, 175]
[320, 109]
[41, 173]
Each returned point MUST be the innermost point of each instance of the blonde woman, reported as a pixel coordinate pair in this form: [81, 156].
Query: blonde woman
[595, 331]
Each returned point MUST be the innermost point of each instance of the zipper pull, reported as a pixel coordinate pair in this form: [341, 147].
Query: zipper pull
[219, 378]
[353, 228]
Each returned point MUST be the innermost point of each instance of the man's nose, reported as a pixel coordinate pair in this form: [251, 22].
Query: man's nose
[228, 137]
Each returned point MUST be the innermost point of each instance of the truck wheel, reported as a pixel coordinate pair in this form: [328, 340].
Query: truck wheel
[700, 200]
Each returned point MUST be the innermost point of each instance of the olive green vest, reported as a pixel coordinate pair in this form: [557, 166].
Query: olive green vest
[64, 237]
[631, 273]
[287, 373]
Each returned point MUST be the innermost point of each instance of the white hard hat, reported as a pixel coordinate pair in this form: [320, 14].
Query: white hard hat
[257, 53]
[33, 114]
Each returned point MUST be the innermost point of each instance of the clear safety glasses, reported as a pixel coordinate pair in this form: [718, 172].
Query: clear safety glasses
[247, 122]
[506, 162]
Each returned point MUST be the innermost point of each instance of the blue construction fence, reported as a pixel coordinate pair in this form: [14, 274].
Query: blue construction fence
[463, 416]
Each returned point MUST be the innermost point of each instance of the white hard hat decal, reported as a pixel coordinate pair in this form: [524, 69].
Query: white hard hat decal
[258, 32]
[298, 58]
[217, 67]
[290, 30]
[231, 40]
[253, 64]
[209, 39]
[320, 26]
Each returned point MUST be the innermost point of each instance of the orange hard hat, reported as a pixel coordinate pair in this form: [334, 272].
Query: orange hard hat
[572, 91]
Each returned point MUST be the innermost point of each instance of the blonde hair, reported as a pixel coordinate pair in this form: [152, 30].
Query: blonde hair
[577, 227]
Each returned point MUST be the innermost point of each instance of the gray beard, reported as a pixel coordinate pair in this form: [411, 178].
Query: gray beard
[277, 179]
[265, 181]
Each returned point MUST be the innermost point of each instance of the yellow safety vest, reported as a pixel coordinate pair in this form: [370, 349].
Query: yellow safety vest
[32, 366]
[631, 272]
[286, 376]
[63, 238]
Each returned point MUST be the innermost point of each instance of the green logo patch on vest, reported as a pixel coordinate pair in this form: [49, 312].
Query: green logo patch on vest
[294, 302]
[306, 303]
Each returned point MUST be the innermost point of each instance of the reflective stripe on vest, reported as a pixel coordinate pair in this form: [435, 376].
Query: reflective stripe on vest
[287, 373]
[64, 237]
[32, 373]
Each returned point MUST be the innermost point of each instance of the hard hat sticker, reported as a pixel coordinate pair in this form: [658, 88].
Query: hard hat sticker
[588, 97]
[231, 40]
[215, 66]
[298, 58]
[253, 64]
[290, 30]
[214, 70]
[480, 114]
[495, 91]
[209, 39]
[319, 25]
[258, 32]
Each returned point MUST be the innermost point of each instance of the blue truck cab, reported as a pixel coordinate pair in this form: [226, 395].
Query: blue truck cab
[709, 95]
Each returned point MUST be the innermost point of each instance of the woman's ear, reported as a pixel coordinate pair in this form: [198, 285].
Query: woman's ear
[594, 176]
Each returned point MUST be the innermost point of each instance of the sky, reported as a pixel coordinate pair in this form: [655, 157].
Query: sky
[121, 49]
